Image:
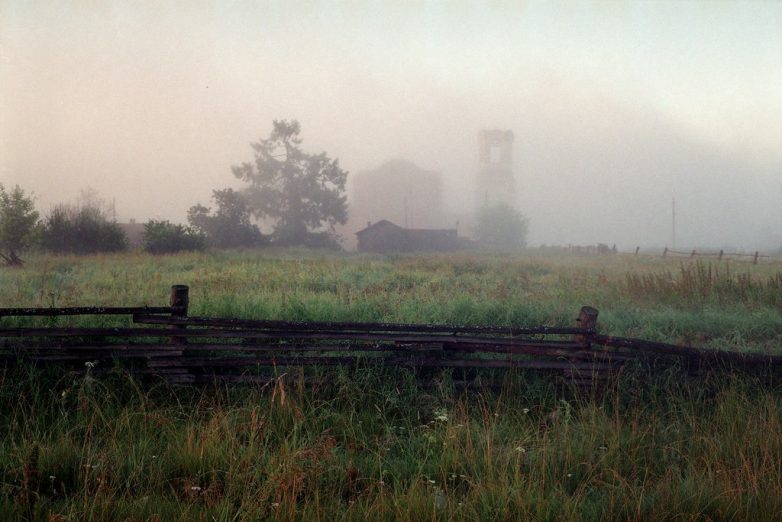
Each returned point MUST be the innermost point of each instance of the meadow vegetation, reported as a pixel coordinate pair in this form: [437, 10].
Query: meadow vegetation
[375, 442]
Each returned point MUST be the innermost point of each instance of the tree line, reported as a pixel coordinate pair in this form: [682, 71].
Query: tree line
[301, 195]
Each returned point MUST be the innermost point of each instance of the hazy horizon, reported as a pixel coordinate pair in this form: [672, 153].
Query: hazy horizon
[616, 107]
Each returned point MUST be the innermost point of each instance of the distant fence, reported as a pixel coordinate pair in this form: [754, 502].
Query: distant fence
[183, 350]
[602, 249]
[755, 257]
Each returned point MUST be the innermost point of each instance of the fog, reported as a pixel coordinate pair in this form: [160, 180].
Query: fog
[616, 108]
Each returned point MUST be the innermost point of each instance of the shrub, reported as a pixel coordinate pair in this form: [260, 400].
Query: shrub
[18, 223]
[229, 226]
[81, 230]
[501, 227]
[163, 237]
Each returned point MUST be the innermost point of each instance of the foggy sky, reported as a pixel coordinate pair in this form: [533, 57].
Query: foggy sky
[616, 107]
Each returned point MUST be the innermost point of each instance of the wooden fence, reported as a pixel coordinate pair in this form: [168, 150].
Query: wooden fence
[755, 257]
[166, 342]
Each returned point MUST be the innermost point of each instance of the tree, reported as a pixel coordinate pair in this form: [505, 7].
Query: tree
[302, 193]
[229, 226]
[164, 237]
[501, 227]
[18, 223]
[83, 228]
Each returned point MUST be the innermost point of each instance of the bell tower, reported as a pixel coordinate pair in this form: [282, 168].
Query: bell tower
[495, 184]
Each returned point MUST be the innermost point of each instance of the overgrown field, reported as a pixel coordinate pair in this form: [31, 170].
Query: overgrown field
[373, 443]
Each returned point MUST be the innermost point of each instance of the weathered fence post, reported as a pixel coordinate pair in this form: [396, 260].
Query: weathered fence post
[180, 301]
[587, 319]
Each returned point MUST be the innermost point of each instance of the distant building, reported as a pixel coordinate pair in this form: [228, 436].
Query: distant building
[385, 236]
[399, 191]
[495, 182]
[134, 232]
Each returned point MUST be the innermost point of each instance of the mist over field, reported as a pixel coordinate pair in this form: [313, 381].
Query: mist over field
[615, 108]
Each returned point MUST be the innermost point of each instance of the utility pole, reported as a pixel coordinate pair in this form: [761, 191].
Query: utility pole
[673, 223]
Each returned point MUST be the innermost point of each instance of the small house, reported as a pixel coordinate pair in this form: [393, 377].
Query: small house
[385, 236]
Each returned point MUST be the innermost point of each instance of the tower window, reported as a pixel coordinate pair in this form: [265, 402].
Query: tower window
[495, 155]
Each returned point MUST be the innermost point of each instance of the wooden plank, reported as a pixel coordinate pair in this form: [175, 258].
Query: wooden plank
[84, 310]
[120, 347]
[91, 357]
[210, 362]
[398, 337]
[546, 350]
[22, 332]
[665, 349]
[251, 361]
[358, 327]
[552, 349]
[284, 349]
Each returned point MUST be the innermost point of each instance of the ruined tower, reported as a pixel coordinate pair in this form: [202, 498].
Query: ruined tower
[495, 183]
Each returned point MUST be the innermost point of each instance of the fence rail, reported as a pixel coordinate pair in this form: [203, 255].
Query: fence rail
[168, 343]
[84, 310]
[756, 256]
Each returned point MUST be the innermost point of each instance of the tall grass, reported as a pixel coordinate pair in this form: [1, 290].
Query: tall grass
[707, 282]
[375, 443]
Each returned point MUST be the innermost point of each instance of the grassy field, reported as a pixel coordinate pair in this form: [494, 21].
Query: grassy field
[373, 443]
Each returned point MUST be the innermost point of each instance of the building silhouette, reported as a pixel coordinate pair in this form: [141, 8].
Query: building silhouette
[495, 183]
[398, 191]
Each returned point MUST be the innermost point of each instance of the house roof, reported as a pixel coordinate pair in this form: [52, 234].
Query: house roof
[386, 224]
[383, 223]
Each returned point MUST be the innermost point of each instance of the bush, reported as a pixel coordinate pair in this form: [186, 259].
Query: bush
[326, 240]
[229, 226]
[18, 223]
[501, 227]
[84, 230]
[164, 237]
